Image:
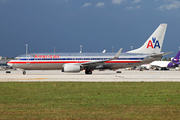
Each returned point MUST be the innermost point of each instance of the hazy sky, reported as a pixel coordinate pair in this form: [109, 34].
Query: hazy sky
[95, 24]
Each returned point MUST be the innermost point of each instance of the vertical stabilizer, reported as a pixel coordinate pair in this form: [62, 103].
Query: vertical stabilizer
[177, 56]
[175, 61]
[154, 43]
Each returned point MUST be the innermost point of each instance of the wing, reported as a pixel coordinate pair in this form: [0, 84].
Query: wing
[95, 63]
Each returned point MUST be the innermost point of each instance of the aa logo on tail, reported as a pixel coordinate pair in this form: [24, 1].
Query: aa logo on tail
[153, 43]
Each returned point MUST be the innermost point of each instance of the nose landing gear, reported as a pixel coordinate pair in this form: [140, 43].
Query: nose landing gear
[24, 72]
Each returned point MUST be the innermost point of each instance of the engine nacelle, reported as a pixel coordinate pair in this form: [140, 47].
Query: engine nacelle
[71, 68]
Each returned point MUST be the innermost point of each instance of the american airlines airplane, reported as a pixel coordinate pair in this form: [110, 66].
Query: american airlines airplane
[75, 62]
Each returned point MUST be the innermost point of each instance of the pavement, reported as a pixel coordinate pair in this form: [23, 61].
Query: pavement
[97, 76]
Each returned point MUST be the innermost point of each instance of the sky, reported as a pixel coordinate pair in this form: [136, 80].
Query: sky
[94, 24]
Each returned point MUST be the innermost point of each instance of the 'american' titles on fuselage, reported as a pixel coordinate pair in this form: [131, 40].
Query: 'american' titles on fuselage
[46, 56]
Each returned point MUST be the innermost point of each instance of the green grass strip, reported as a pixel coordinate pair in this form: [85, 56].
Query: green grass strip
[75, 100]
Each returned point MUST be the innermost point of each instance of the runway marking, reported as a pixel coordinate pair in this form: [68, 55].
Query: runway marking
[22, 79]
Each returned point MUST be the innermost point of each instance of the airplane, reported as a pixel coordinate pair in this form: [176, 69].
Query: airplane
[76, 62]
[164, 65]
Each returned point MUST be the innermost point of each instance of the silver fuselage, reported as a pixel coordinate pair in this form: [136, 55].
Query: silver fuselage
[44, 61]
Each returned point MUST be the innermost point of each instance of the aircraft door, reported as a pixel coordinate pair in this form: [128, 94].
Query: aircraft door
[28, 62]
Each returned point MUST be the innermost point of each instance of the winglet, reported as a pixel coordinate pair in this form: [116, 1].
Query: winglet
[117, 54]
[104, 51]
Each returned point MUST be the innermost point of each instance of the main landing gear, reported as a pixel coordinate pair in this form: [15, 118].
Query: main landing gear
[24, 72]
[88, 71]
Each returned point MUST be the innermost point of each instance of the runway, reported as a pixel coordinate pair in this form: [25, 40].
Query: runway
[97, 76]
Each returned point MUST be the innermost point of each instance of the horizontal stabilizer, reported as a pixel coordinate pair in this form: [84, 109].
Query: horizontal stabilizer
[160, 55]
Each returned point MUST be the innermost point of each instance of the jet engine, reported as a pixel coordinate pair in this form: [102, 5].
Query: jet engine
[71, 68]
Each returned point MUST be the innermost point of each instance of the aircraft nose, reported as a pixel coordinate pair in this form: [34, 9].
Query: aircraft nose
[9, 63]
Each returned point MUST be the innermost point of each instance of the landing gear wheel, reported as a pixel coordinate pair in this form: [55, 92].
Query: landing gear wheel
[24, 72]
[118, 71]
[156, 69]
[88, 71]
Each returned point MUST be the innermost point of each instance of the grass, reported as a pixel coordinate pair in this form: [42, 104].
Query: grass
[75, 100]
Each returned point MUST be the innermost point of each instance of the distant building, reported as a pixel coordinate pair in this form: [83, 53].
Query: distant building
[3, 62]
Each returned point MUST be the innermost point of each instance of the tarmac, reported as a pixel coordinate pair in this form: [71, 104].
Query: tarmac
[97, 76]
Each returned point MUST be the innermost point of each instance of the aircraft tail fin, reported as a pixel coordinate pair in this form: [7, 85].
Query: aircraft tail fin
[177, 56]
[176, 59]
[154, 43]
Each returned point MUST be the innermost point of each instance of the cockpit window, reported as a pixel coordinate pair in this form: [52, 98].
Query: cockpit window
[17, 58]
